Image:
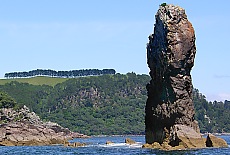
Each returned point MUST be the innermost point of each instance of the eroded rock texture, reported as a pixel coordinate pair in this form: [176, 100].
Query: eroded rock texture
[169, 120]
[23, 127]
[170, 53]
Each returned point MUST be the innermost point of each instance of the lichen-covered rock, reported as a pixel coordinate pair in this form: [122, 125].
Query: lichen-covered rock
[171, 50]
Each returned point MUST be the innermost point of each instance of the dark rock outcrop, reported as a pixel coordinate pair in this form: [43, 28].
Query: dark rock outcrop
[23, 127]
[171, 50]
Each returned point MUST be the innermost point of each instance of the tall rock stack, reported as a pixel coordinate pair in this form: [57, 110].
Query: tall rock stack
[171, 50]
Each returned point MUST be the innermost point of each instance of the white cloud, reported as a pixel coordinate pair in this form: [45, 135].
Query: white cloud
[218, 97]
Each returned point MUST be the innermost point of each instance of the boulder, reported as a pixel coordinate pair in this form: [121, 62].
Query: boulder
[213, 141]
[66, 143]
[74, 144]
[185, 137]
[108, 142]
[78, 144]
[129, 141]
[154, 145]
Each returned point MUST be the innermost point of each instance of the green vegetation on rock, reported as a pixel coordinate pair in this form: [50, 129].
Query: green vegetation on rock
[107, 104]
[163, 4]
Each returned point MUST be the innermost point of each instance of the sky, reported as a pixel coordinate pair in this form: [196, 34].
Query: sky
[99, 34]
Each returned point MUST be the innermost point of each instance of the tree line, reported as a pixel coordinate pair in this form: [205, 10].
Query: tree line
[61, 74]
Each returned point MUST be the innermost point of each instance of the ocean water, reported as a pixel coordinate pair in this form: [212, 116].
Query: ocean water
[96, 145]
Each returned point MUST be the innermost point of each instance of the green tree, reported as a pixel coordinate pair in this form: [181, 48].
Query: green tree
[6, 101]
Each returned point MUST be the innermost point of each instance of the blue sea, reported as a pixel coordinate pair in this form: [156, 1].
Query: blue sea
[96, 145]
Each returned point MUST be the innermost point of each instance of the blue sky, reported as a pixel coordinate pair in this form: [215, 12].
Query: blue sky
[81, 34]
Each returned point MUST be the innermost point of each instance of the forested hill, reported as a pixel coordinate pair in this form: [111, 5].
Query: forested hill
[60, 74]
[107, 104]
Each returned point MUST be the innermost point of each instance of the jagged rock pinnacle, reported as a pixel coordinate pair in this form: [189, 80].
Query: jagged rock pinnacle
[170, 117]
[170, 55]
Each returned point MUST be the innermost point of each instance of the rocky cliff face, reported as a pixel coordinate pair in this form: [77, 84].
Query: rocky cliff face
[170, 54]
[23, 127]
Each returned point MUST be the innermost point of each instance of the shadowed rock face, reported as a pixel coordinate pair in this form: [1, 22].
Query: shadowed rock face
[170, 54]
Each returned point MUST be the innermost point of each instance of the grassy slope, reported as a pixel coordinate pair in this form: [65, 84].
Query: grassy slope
[40, 80]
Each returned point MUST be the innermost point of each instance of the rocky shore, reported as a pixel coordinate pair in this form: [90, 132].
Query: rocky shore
[22, 127]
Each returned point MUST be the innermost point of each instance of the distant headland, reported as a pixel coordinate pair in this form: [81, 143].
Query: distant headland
[61, 74]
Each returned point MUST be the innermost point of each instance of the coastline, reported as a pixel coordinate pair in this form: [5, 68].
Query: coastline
[216, 134]
[132, 135]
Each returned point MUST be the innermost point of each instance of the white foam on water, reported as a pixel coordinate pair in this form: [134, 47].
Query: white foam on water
[136, 145]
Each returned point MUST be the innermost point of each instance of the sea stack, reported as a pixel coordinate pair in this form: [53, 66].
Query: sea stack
[170, 122]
